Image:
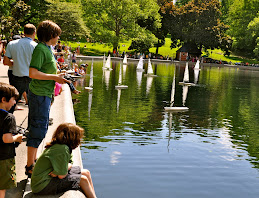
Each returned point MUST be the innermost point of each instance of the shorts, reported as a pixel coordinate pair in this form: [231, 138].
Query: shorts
[38, 119]
[70, 182]
[7, 174]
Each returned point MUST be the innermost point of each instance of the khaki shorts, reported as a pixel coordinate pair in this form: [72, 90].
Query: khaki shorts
[7, 174]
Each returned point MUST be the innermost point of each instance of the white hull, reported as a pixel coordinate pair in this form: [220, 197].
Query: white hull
[121, 87]
[89, 88]
[178, 109]
[187, 84]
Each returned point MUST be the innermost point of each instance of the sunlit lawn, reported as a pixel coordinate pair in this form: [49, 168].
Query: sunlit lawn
[98, 49]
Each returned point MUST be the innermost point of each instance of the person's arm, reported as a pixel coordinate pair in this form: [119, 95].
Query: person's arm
[36, 74]
[61, 176]
[9, 138]
[7, 61]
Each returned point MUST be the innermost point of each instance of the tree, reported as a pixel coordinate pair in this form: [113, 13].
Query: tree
[240, 14]
[111, 21]
[69, 17]
[197, 22]
[13, 13]
[253, 28]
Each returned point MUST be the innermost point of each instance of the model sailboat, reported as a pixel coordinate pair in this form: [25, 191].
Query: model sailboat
[150, 69]
[171, 107]
[108, 63]
[186, 76]
[91, 81]
[140, 64]
[120, 86]
[197, 65]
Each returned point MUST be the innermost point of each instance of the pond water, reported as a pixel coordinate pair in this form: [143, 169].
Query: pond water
[134, 148]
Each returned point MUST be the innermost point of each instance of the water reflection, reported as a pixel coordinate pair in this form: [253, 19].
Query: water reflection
[205, 152]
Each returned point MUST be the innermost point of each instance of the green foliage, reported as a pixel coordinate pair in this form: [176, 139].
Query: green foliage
[111, 21]
[69, 17]
[196, 22]
[37, 12]
[253, 28]
[13, 14]
[240, 14]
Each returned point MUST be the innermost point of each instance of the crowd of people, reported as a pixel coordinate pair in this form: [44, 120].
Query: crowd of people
[35, 72]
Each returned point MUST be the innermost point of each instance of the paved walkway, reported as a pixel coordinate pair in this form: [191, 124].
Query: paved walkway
[61, 111]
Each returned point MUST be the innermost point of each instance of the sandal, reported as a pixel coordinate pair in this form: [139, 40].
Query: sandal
[27, 169]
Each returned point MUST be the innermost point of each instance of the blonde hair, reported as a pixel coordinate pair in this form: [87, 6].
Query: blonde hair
[67, 133]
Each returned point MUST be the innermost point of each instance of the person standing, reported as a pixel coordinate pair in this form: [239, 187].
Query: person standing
[18, 55]
[8, 94]
[43, 71]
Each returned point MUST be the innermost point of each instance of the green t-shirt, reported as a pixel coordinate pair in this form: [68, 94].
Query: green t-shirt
[44, 61]
[54, 159]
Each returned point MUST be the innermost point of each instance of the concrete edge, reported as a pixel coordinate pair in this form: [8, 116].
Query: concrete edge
[61, 111]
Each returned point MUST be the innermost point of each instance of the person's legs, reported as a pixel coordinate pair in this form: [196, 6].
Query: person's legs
[86, 187]
[39, 107]
[22, 85]
[31, 157]
[87, 173]
[2, 193]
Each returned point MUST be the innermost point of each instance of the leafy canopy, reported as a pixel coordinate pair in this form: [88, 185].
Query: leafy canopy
[197, 22]
[111, 21]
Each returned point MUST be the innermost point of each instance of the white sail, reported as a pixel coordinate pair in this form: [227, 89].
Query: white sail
[149, 68]
[149, 84]
[172, 92]
[139, 77]
[120, 76]
[91, 81]
[125, 60]
[118, 99]
[185, 92]
[108, 63]
[196, 75]
[140, 64]
[197, 65]
[186, 74]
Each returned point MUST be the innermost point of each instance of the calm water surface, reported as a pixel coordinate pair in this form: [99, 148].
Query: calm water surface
[134, 148]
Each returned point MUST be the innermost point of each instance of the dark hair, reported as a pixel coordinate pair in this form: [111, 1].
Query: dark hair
[29, 29]
[47, 30]
[8, 91]
[67, 133]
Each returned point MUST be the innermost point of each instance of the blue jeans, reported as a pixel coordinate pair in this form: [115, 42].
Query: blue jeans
[38, 120]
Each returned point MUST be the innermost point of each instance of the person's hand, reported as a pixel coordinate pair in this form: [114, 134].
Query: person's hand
[52, 174]
[18, 138]
[60, 78]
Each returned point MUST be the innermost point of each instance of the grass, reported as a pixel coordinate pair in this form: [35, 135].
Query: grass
[98, 49]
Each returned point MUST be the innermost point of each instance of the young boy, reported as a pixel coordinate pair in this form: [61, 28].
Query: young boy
[8, 96]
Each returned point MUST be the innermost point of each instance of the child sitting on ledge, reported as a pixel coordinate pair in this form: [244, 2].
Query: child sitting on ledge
[53, 174]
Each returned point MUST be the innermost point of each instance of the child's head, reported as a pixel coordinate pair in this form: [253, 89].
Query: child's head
[67, 133]
[47, 30]
[7, 91]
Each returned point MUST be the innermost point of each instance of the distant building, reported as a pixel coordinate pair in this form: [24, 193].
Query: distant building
[187, 51]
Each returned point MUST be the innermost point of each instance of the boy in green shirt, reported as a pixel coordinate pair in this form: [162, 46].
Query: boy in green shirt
[43, 72]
